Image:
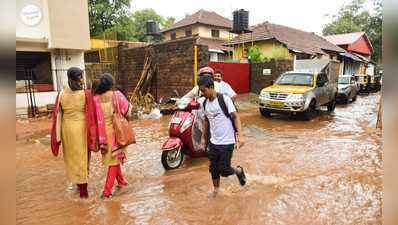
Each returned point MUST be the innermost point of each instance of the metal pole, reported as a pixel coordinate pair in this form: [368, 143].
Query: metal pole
[243, 45]
[229, 45]
[195, 65]
[252, 39]
[30, 94]
[33, 94]
[27, 90]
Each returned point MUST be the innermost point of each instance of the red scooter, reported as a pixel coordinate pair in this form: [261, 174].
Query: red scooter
[180, 141]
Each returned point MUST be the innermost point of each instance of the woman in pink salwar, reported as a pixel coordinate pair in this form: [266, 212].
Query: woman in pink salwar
[105, 101]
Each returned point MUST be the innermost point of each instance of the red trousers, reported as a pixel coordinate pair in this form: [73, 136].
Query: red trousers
[114, 172]
[83, 190]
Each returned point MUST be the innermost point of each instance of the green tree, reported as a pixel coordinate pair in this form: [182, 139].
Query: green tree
[107, 14]
[354, 18]
[276, 53]
[139, 19]
[255, 54]
[167, 22]
[113, 17]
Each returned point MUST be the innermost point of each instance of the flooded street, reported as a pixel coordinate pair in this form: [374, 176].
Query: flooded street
[325, 171]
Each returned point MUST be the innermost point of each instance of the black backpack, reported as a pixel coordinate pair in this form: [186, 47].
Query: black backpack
[223, 106]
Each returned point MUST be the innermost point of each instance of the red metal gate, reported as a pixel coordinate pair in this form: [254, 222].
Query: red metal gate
[235, 74]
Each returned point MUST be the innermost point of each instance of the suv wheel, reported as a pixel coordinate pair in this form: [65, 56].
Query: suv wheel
[310, 112]
[354, 98]
[265, 112]
[332, 105]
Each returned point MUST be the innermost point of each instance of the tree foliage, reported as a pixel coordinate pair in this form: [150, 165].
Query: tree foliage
[353, 17]
[107, 14]
[276, 53]
[108, 17]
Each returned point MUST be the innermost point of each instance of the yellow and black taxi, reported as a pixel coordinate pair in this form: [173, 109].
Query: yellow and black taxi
[363, 81]
[298, 92]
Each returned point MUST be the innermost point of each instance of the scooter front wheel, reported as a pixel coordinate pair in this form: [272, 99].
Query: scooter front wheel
[172, 159]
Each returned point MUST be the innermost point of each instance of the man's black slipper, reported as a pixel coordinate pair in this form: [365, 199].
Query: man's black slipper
[241, 176]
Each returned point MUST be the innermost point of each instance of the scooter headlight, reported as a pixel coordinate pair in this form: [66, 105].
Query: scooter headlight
[187, 123]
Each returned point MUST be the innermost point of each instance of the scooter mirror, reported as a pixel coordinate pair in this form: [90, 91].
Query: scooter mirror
[176, 93]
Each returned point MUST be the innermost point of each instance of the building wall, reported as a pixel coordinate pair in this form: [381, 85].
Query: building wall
[265, 47]
[23, 46]
[64, 24]
[258, 81]
[61, 61]
[200, 30]
[39, 31]
[69, 26]
[42, 99]
[63, 31]
[180, 33]
[205, 31]
[175, 67]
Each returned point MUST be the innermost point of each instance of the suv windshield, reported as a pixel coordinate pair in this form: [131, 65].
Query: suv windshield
[344, 80]
[295, 79]
[360, 78]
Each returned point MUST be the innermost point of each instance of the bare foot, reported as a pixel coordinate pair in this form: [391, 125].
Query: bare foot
[213, 193]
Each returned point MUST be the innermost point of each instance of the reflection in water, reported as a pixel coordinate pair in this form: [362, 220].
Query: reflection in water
[326, 171]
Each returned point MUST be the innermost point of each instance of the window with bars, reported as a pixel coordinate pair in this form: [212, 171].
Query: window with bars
[215, 33]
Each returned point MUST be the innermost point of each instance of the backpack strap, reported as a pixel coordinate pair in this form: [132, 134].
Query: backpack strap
[204, 104]
[223, 106]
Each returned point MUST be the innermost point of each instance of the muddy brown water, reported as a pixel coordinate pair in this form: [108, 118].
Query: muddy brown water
[326, 171]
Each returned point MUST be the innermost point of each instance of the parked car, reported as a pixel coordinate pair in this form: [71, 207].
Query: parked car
[298, 92]
[347, 88]
[363, 81]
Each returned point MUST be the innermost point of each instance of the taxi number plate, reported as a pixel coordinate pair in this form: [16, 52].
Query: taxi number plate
[275, 104]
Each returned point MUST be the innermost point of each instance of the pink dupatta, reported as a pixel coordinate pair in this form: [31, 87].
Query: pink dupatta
[123, 105]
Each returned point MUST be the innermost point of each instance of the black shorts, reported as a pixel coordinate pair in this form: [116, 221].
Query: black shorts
[220, 160]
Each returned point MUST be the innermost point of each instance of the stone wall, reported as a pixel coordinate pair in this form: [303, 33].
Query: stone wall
[175, 66]
[258, 81]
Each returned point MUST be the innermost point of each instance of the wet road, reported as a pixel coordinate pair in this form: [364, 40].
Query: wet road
[326, 171]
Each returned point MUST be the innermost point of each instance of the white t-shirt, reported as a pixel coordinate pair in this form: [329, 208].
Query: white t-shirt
[226, 89]
[221, 129]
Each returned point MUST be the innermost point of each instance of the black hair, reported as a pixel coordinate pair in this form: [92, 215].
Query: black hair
[220, 72]
[105, 83]
[93, 84]
[74, 75]
[119, 88]
[206, 81]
